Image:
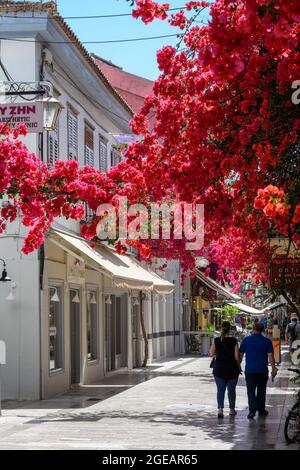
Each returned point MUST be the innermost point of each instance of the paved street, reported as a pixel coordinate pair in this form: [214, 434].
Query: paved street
[169, 406]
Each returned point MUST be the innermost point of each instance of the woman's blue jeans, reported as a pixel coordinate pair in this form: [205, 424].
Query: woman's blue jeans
[222, 384]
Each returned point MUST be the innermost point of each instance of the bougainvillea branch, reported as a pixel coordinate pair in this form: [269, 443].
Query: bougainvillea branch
[226, 135]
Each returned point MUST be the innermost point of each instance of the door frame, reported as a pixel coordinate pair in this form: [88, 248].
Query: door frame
[72, 288]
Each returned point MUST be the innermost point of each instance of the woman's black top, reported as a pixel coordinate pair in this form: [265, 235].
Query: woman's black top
[225, 365]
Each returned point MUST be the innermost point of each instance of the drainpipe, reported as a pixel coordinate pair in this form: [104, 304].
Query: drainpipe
[41, 252]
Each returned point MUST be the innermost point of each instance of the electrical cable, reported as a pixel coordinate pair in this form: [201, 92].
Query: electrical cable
[87, 17]
[90, 42]
[73, 84]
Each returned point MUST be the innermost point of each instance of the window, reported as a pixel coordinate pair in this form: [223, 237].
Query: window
[102, 154]
[92, 325]
[89, 159]
[115, 157]
[72, 135]
[53, 146]
[55, 327]
[89, 146]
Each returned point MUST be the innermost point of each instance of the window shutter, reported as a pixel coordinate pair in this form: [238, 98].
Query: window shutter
[115, 157]
[102, 155]
[53, 147]
[89, 213]
[89, 146]
[72, 136]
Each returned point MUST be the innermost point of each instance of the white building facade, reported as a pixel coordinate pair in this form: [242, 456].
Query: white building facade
[76, 313]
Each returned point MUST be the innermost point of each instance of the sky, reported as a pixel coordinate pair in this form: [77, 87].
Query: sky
[135, 57]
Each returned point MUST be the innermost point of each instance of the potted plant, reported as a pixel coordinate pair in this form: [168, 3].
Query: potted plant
[206, 340]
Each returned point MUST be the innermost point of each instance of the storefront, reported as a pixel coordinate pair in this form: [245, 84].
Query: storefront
[91, 319]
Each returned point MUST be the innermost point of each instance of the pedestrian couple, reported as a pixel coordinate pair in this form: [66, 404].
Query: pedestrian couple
[227, 368]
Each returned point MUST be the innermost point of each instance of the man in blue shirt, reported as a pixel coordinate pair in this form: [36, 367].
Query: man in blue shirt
[259, 351]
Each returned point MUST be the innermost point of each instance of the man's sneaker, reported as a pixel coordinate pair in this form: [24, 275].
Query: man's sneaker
[263, 413]
[220, 413]
[232, 412]
[251, 415]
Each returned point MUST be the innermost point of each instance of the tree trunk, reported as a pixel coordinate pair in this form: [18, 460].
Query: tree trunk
[146, 343]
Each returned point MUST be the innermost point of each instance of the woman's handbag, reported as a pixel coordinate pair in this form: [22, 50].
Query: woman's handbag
[212, 363]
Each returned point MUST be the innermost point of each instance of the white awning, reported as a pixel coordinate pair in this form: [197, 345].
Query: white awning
[246, 309]
[124, 270]
[281, 302]
[216, 287]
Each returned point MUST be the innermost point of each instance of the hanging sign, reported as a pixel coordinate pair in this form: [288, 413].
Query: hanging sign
[31, 114]
[285, 272]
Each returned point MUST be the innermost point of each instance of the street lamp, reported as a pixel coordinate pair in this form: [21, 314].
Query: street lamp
[4, 277]
[52, 110]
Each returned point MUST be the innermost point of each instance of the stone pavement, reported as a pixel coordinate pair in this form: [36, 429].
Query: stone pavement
[171, 405]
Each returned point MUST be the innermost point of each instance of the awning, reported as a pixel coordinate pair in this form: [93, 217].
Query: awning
[281, 302]
[124, 270]
[216, 287]
[246, 309]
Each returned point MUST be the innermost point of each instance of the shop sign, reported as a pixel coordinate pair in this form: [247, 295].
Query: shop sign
[30, 114]
[285, 272]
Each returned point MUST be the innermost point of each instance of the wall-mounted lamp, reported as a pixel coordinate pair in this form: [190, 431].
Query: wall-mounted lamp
[145, 296]
[185, 299]
[76, 298]
[93, 300]
[136, 301]
[52, 110]
[108, 300]
[11, 296]
[4, 277]
[55, 297]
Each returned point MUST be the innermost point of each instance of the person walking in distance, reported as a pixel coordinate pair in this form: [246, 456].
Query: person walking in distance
[259, 351]
[292, 331]
[226, 368]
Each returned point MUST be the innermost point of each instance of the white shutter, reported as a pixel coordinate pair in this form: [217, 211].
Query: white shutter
[72, 136]
[102, 155]
[53, 147]
[89, 156]
[89, 146]
[89, 213]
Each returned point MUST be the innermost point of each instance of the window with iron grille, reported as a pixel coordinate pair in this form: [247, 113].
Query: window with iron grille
[53, 146]
[72, 135]
[102, 154]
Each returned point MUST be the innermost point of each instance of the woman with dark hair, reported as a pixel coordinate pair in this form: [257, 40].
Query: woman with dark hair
[226, 368]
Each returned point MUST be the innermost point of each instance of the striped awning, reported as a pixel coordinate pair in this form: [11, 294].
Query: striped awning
[124, 270]
[216, 286]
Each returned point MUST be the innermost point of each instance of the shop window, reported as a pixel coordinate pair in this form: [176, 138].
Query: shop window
[118, 326]
[55, 327]
[92, 325]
